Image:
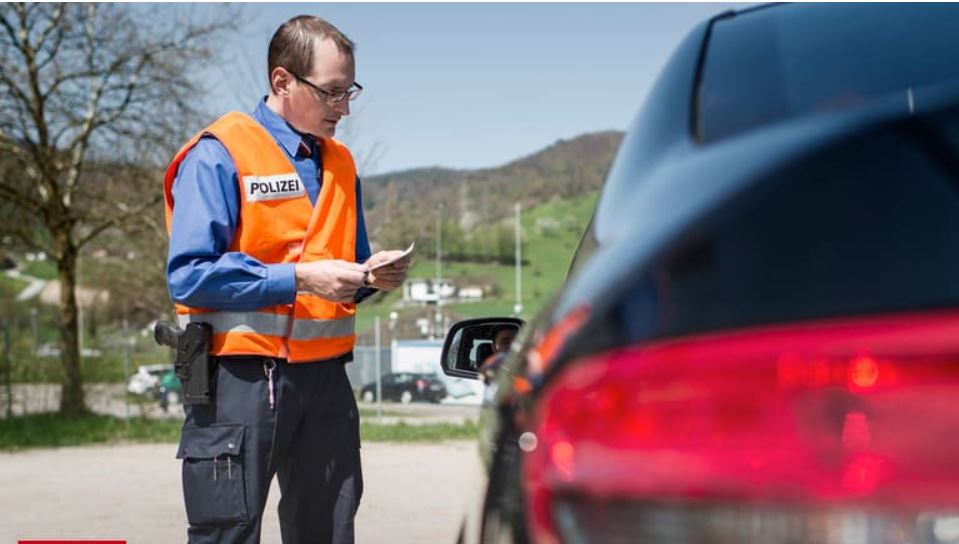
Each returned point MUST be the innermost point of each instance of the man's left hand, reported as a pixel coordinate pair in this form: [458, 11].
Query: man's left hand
[390, 276]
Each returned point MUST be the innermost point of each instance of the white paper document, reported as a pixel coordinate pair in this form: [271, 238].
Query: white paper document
[394, 259]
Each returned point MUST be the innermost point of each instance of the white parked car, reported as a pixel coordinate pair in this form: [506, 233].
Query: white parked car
[147, 378]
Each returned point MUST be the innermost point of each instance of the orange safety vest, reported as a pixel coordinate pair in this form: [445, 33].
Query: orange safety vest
[278, 224]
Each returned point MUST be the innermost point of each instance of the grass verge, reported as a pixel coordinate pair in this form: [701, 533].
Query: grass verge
[51, 430]
[428, 432]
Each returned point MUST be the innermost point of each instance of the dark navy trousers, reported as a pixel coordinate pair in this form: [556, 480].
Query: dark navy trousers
[299, 422]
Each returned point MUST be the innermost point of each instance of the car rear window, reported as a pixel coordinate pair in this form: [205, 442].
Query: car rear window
[869, 226]
[770, 64]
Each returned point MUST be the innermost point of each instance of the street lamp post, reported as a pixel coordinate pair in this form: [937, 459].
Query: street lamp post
[376, 357]
[439, 248]
[438, 285]
[518, 308]
[391, 326]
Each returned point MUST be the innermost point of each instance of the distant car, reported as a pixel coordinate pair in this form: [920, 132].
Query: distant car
[406, 387]
[147, 378]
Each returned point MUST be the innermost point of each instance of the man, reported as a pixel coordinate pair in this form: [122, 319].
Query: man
[268, 245]
[502, 340]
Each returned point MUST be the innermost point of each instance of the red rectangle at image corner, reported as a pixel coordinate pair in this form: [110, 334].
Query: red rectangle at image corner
[71, 542]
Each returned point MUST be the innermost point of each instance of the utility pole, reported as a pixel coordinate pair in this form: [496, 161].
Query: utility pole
[439, 272]
[8, 368]
[376, 357]
[79, 297]
[33, 329]
[518, 308]
[126, 373]
[439, 246]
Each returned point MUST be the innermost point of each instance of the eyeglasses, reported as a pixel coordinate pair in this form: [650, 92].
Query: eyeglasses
[333, 97]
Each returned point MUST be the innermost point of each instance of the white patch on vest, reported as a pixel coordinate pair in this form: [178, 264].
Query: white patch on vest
[280, 186]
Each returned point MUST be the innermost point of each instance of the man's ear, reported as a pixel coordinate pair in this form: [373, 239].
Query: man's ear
[281, 81]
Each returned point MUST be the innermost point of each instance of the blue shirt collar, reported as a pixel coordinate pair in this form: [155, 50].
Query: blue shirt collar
[288, 138]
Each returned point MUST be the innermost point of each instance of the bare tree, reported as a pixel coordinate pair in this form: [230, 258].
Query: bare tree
[93, 99]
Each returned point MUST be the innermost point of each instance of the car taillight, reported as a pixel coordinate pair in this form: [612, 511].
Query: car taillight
[801, 433]
[420, 385]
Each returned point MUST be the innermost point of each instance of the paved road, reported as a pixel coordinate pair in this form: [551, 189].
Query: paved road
[414, 493]
[34, 288]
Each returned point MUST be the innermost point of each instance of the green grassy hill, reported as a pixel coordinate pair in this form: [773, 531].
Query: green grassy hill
[551, 232]
[404, 206]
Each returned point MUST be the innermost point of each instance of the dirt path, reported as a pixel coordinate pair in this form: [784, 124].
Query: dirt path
[414, 493]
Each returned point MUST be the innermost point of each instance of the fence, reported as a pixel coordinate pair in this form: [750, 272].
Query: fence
[363, 368]
[29, 381]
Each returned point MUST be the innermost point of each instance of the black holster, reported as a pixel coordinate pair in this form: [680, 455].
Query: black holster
[192, 357]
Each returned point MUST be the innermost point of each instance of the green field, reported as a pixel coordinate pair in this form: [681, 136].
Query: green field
[44, 270]
[11, 286]
[551, 233]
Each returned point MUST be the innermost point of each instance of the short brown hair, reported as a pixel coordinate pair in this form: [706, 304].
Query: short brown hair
[292, 44]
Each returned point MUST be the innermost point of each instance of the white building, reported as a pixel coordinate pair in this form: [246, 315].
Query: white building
[428, 290]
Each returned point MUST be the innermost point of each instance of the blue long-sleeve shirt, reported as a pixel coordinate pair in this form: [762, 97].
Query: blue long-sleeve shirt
[201, 272]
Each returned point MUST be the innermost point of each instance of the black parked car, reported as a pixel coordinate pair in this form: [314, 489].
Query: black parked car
[758, 340]
[406, 387]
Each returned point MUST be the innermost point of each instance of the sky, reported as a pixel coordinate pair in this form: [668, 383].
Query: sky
[470, 86]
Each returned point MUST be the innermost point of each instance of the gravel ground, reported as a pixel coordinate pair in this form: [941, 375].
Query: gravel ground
[413, 493]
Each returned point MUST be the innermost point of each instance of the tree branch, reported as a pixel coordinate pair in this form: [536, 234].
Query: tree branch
[18, 93]
[7, 145]
[9, 28]
[118, 219]
[53, 51]
[12, 195]
[28, 240]
[54, 26]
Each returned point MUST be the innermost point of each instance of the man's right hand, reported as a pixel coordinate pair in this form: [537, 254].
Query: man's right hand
[331, 279]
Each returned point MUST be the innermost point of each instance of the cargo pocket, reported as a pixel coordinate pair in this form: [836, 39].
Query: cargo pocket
[213, 479]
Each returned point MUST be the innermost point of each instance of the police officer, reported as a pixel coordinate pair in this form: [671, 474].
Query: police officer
[268, 245]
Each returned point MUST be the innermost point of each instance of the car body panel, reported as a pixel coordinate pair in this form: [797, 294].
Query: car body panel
[665, 198]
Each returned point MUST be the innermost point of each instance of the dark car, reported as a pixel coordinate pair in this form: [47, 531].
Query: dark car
[406, 387]
[758, 339]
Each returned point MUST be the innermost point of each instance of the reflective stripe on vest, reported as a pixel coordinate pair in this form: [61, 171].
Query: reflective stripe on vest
[249, 322]
[272, 324]
[307, 329]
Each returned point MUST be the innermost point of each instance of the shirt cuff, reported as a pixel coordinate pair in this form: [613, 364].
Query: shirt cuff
[281, 282]
[364, 293]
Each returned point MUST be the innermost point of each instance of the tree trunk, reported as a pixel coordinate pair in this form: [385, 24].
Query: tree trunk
[71, 382]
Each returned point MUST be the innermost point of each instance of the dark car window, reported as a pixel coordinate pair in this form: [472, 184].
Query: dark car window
[767, 65]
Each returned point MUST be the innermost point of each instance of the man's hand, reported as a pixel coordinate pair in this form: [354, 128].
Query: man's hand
[390, 276]
[331, 279]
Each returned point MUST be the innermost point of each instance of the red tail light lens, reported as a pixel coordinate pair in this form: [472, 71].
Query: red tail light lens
[838, 418]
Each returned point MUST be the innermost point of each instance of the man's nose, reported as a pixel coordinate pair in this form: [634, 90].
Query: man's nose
[343, 107]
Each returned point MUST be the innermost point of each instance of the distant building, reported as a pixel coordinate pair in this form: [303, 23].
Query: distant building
[428, 290]
[472, 292]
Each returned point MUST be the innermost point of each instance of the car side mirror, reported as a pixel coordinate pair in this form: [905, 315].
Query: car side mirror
[469, 342]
